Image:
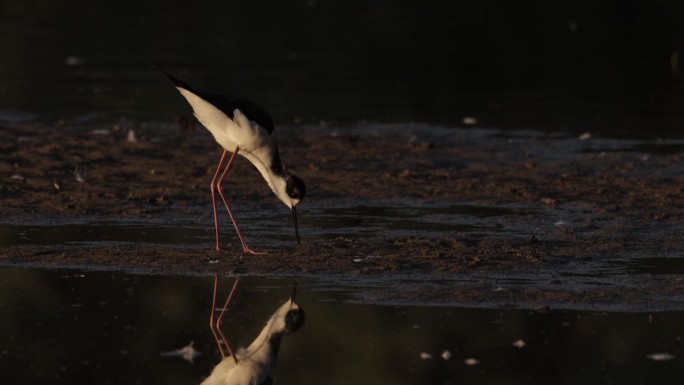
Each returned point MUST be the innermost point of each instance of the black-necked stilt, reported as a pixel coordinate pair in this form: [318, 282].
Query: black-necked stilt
[243, 127]
[254, 364]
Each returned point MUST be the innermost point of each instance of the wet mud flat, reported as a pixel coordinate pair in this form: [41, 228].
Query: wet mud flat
[410, 213]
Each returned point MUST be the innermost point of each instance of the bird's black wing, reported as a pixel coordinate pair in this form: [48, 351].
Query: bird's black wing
[179, 83]
[227, 104]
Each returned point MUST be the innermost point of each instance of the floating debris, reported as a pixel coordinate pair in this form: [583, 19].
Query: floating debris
[100, 131]
[471, 361]
[359, 259]
[446, 355]
[519, 344]
[78, 172]
[17, 177]
[130, 137]
[585, 136]
[469, 120]
[660, 356]
[74, 61]
[425, 356]
[56, 185]
[187, 352]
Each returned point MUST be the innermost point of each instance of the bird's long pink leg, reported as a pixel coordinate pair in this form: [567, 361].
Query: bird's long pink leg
[219, 185]
[212, 187]
[219, 321]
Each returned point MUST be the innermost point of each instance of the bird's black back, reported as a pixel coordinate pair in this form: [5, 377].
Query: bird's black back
[227, 104]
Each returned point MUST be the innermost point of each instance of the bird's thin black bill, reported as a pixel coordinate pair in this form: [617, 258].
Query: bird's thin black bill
[294, 218]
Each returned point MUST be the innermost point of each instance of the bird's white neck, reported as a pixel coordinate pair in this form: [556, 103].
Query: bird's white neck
[272, 174]
[279, 188]
[265, 347]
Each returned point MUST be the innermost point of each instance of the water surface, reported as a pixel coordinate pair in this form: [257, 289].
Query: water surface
[65, 325]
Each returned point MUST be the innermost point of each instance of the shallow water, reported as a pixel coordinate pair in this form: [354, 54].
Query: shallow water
[342, 218]
[652, 272]
[65, 325]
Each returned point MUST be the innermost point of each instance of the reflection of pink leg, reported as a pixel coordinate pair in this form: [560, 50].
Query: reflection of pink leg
[219, 185]
[211, 318]
[212, 187]
[219, 321]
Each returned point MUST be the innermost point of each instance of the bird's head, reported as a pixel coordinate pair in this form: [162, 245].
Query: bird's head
[290, 316]
[296, 190]
[295, 317]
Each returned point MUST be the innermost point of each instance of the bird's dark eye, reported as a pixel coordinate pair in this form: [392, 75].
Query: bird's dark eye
[295, 187]
[294, 319]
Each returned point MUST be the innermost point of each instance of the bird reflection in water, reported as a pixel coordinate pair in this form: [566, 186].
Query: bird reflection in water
[253, 365]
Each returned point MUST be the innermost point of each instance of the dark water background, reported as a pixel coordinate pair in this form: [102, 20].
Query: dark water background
[66, 327]
[609, 67]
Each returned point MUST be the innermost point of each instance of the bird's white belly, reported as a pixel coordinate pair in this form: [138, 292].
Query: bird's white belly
[229, 134]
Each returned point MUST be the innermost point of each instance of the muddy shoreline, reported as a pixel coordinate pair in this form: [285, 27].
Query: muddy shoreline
[618, 200]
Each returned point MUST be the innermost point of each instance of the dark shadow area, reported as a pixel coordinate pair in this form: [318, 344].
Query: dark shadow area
[611, 67]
